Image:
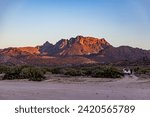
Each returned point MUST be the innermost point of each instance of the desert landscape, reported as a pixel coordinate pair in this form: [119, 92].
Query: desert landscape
[75, 69]
[57, 87]
[74, 49]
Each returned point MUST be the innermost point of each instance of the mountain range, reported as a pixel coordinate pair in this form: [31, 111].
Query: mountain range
[78, 50]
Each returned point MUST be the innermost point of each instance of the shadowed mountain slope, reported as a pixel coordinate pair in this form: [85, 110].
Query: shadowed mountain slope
[76, 50]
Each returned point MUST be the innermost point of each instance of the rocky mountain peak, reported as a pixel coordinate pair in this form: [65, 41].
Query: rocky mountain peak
[80, 49]
[47, 43]
[81, 45]
[44, 49]
[62, 43]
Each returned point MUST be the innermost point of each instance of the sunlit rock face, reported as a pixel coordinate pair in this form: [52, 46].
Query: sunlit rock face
[75, 50]
[80, 46]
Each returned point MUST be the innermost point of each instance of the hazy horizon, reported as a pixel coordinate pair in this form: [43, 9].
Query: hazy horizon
[33, 22]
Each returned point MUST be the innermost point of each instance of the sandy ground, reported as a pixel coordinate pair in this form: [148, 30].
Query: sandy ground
[57, 87]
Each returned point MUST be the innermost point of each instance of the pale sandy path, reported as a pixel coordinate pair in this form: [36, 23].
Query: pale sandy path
[127, 88]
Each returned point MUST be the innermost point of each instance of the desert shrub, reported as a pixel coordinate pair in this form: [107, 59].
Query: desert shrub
[46, 69]
[87, 71]
[32, 73]
[142, 70]
[63, 71]
[94, 71]
[107, 72]
[136, 69]
[55, 70]
[97, 73]
[4, 69]
[12, 73]
[24, 72]
[74, 72]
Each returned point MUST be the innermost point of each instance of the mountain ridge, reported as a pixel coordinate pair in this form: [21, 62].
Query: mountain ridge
[76, 46]
[73, 51]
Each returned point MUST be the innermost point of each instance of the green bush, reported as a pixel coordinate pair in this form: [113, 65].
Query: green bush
[142, 70]
[74, 72]
[107, 73]
[3, 69]
[56, 70]
[94, 71]
[33, 74]
[87, 71]
[12, 73]
[136, 69]
[24, 72]
[37, 73]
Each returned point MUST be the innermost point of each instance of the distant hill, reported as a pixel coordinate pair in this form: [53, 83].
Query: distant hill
[122, 53]
[76, 50]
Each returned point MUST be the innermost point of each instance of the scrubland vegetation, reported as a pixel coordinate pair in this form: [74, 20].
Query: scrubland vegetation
[33, 73]
[93, 71]
[142, 70]
[37, 73]
[22, 72]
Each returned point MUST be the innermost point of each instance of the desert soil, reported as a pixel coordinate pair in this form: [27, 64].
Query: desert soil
[58, 87]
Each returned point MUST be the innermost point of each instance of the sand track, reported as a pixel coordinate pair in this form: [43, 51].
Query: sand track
[76, 88]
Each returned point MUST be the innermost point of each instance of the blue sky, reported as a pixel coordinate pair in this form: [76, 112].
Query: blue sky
[32, 22]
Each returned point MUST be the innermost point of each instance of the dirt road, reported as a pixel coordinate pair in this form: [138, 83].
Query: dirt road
[77, 88]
